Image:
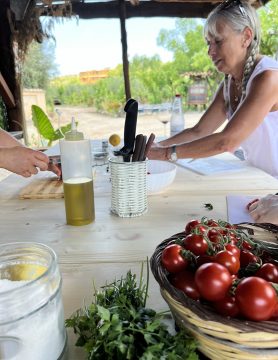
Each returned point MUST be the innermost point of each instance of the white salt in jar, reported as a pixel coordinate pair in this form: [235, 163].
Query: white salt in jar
[31, 309]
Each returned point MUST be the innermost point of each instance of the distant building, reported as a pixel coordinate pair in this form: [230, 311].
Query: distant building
[92, 76]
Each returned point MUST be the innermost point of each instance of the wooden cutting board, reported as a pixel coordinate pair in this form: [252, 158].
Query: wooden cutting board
[43, 189]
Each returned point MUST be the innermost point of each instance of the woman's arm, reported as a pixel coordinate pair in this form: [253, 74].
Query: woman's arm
[210, 121]
[262, 98]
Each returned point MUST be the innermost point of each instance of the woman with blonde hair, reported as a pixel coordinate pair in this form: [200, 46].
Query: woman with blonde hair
[247, 97]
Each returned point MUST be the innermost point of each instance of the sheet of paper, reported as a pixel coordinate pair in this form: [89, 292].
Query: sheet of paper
[236, 207]
[209, 165]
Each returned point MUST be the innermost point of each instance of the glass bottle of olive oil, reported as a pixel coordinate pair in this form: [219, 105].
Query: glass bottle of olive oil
[77, 178]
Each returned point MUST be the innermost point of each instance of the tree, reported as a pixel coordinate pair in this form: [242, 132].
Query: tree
[269, 24]
[39, 66]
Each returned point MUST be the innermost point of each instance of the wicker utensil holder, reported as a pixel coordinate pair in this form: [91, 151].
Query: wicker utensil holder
[129, 187]
[219, 337]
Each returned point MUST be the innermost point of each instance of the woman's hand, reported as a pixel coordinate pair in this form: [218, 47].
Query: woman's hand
[264, 210]
[158, 152]
[22, 160]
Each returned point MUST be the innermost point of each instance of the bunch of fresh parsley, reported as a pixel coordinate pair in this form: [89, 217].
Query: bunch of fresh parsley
[119, 326]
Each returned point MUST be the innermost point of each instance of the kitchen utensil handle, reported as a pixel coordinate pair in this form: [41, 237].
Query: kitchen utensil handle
[138, 144]
[143, 148]
[149, 144]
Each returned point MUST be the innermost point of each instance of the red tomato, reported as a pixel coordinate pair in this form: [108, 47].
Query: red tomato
[256, 298]
[268, 272]
[246, 245]
[191, 225]
[246, 257]
[185, 281]
[212, 223]
[215, 236]
[226, 306]
[172, 259]
[233, 249]
[203, 259]
[229, 260]
[213, 281]
[196, 244]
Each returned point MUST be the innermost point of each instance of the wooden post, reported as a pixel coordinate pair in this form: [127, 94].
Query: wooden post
[122, 12]
[8, 68]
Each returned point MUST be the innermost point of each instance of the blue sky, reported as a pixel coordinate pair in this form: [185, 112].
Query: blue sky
[96, 44]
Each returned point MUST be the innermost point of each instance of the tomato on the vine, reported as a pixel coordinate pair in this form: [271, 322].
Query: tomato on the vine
[247, 257]
[226, 306]
[233, 249]
[229, 260]
[185, 281]
[203, 259]
[268, 272]
[215, 236]
[212, 223]
[172, 259]
[256, 298]
[191, 225]
[195, 243]
[213, 281]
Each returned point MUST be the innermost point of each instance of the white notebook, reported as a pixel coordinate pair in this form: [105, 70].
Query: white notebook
[209, 165]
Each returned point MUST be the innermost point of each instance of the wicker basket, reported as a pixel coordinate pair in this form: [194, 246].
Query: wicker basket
[129, 187]
[221, 338]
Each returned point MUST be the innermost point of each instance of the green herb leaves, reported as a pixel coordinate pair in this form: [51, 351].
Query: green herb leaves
[118, 326]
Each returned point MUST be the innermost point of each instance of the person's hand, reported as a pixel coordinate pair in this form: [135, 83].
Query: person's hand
[23, 161]
[56, 169]
[158, 152]
[264, 210]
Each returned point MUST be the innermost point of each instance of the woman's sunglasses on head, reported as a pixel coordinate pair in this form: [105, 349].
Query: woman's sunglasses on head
[231, 3]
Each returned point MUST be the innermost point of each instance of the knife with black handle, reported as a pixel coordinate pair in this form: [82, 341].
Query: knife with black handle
[131, 109]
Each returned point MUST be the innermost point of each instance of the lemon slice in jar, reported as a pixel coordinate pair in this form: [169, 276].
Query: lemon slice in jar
[114, 140]
[19, 272]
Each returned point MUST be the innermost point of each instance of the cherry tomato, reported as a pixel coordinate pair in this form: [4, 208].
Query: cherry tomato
[212, 223]
[191, 225]
[229, 260]
[246, 257]
[246, 245]
[226, 306]
[233, 249]
[185, 281]
[256, 298]
[215, 236]
[268, 272]
[196, 244]
[213, 281]
[203, 259]
[172, 260]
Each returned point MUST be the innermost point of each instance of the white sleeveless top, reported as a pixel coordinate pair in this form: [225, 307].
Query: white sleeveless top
[261, 147]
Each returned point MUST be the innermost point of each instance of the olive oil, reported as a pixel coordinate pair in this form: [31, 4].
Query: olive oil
[79, 201]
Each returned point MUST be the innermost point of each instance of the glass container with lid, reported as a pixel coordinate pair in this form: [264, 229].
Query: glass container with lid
[31, 309]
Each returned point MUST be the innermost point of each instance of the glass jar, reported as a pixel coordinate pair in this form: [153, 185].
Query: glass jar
[31, 309]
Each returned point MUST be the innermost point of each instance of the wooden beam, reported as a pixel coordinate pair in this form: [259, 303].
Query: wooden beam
[6, 94]
[144, 9]
[122, 14]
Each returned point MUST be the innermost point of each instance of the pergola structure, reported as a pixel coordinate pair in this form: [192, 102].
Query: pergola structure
[20, 24]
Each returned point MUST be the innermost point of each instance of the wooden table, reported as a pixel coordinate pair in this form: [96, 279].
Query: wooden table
[109, 247]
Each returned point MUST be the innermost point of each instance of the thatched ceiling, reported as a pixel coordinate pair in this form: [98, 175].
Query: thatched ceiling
[93, 9]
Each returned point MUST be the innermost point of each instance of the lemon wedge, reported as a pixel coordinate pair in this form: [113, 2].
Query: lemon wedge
[25, 271]
[114, 140]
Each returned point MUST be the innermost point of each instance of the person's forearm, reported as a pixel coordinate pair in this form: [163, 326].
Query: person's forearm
[7, 140]
[210, 145]
[186, 135]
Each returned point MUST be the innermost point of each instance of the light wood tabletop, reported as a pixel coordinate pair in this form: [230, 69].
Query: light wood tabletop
[109, 247]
